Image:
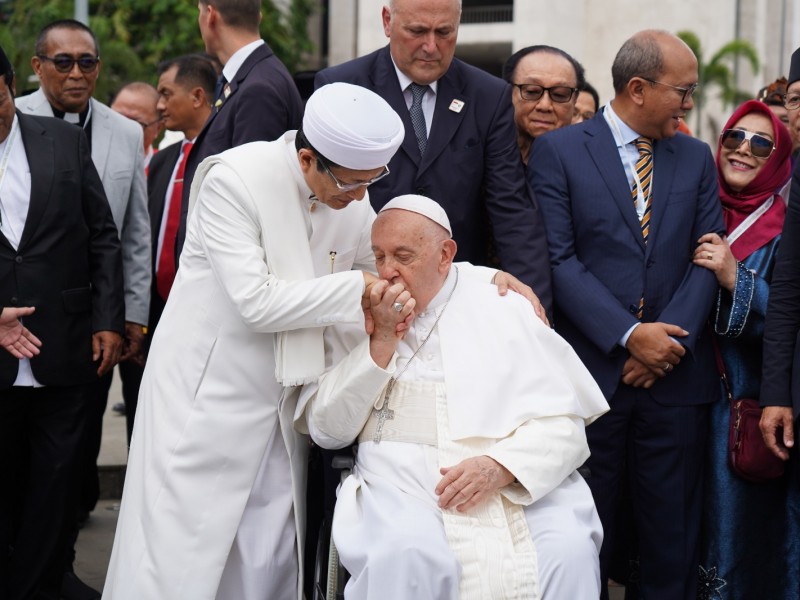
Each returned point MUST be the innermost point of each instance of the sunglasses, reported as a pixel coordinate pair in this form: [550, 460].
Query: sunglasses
[64, 63]
[760, 146]
[532, 92]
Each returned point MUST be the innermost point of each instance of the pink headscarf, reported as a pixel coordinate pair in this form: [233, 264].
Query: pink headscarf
[772, 177]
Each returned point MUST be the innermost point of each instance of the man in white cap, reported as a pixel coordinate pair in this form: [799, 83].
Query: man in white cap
[470, 428]
[214, 494]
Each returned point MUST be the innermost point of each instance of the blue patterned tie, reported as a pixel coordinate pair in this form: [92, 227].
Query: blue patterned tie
[417, 116]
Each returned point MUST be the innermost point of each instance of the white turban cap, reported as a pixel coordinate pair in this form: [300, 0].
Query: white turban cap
[423, 206]
[352, 126]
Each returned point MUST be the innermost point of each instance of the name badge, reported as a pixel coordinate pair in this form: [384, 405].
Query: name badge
[456, 106]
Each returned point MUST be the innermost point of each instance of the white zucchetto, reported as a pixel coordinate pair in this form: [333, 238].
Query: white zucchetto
[421, 205]
[352, 126]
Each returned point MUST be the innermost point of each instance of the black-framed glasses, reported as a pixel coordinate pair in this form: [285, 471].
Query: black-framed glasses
[791, 101]
[557, 93]
[64, 62]
[349, 187]
[686, 91]
[760, 146]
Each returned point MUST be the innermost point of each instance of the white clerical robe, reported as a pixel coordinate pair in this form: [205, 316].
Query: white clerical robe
[214, 501]
[511, 389]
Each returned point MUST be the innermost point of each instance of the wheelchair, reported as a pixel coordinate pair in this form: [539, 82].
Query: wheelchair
[330, 577]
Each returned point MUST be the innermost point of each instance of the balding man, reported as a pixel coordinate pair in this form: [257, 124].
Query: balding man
[625, 200]
[465, 483]
[460, 144]
[137, 101]
[545, 84]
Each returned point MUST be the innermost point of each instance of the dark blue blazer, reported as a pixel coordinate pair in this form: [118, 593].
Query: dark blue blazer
[472, 165]
[262, 105]
[601, 266]
[780, 383]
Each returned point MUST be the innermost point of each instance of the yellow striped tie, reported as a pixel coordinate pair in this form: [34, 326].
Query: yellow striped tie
[644, 173]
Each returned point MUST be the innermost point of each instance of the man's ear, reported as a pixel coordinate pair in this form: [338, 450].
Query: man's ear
[635, 89]
[449, 248]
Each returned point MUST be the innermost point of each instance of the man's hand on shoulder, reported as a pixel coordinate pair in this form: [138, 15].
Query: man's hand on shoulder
[653, 345]
[470, 482]
[108, 345]
[14, 336]
[506, 281]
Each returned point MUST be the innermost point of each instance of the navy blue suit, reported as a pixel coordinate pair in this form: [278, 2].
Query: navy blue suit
[262, 105]
[471, 165]
[601, 268]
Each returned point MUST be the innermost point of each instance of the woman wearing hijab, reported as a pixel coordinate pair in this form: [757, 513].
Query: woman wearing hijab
[751, 543]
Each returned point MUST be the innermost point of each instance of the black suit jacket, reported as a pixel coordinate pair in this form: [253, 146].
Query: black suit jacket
[262, 105]
[68, 264]
[471, 166]
[159, 175]
[780, 382]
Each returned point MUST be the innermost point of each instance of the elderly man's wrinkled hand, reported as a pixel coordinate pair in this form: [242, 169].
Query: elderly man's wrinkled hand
[14, 336]
[470, 482]
[391, 308]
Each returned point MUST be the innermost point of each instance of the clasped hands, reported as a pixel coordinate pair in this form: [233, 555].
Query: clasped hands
[654, 353]
[388, 309]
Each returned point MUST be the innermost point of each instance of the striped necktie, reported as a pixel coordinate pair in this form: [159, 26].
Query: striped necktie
[644, 174]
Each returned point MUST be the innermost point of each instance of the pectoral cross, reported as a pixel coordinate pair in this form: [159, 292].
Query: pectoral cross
[383, 414]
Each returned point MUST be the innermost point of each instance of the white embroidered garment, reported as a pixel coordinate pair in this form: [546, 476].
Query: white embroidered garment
[388, 506]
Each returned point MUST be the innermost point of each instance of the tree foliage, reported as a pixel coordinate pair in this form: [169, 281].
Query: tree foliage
[717, 73]
[135, 35]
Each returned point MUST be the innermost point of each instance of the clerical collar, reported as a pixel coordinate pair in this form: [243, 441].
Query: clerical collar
[81, 118]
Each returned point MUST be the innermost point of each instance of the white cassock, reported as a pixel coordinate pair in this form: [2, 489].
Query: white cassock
[214, 501]
[491, 380]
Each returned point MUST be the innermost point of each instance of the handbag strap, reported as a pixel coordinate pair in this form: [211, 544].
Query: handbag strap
[720, 364]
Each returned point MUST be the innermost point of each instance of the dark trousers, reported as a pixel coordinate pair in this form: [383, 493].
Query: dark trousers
[131, 375]
[40, 435]
[660, 449]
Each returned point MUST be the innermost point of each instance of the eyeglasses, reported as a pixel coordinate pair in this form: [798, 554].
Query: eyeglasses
[349, 187]
[558, 93]
[145, 124]
[64, 62]
[687, 92]
[791, 102]
[760, 146]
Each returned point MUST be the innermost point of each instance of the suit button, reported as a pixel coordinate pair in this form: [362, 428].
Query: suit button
[14, 301]
[18, 260]
[650, 262]
[420, 191]
[633, 309]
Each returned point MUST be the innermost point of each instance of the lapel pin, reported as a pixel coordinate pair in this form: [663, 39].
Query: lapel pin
[227, 90]
[456, 106]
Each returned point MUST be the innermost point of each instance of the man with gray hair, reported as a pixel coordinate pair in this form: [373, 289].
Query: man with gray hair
[470, 428]
[460, 145]
[625, 200]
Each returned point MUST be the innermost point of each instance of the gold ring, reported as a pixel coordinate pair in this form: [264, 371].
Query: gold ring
[709, 256]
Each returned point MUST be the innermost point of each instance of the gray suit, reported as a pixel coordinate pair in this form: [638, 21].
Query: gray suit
[118, 156]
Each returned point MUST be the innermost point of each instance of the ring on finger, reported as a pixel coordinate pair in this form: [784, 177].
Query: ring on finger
[398, 306]
[710, 255]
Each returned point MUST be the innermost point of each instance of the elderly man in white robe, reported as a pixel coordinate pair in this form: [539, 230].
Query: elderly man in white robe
[470, 428]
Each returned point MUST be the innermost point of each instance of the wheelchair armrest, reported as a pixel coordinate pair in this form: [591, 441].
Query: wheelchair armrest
[343, 462]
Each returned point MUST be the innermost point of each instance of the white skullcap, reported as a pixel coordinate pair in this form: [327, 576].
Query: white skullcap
[352, 126]
[420, 205]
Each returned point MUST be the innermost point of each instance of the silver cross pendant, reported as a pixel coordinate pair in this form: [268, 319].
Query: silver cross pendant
[383, 414]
